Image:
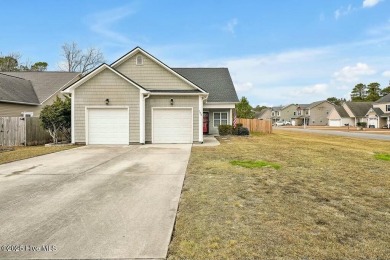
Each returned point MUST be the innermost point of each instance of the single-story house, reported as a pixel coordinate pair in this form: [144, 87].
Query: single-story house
[26, 93]
[139, 99]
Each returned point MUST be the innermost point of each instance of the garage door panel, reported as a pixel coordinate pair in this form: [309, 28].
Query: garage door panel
[335, 122]
[172, 126]
[108, 126]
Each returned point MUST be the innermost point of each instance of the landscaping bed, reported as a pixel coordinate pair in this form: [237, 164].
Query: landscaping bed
[328, 198]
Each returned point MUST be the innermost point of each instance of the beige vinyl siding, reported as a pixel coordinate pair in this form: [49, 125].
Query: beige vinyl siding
[382, 106]
[95, 91]
[288, 112]
[12, 109]
[151, 75]
[164, 101]
[15, 110]
[334, 114]
[319, 114]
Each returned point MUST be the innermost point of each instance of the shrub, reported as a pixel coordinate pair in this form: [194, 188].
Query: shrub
[362, 124]
[243, 131]
[225, 129]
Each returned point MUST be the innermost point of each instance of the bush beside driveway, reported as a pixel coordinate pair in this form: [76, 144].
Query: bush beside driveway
[328, 200]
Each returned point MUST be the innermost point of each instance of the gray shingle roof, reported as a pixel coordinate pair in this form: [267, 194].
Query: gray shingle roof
[384, 99]
[216, 81]
[378, 111]
[14, 89]
[261, 112]
[341, 111]
[278, 108]
[311, 105]
[45, 83]
[359, 109]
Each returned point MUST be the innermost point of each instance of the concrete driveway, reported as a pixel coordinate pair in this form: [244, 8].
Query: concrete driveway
[92, 202]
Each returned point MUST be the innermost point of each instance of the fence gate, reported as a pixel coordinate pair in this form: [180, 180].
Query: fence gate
[17, 131]
[12, 131]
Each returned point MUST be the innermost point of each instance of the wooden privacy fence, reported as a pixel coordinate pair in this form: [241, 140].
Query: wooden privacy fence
[18, 131]
[256, 125]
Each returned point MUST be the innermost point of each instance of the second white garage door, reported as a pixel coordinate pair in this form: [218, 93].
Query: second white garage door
[334, 122]
[172, 125]
[108, 126]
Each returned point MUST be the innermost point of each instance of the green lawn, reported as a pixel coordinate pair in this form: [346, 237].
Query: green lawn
[330, 199]
[10, 154]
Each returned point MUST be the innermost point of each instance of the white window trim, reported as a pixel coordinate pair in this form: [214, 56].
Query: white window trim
[220, 118]
[387, 108]
[27, 114]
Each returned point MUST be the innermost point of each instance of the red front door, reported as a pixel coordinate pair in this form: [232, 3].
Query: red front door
[205, 122]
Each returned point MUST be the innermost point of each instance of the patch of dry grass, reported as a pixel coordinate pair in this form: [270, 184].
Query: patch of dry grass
[24, 152]
[329, 200]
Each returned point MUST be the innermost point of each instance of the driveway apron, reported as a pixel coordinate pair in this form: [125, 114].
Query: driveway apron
[92, 202]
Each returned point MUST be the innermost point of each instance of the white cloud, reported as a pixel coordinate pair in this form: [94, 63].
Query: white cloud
[370, 3]
[231, 26]
[386, 73]
[343, 11]
[353, 73]
[317, 89]
[243, 87]
[102, 23]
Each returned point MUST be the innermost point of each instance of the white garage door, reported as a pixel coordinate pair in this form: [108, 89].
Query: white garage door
[373, 122]
[334, 122]
[172, 126]
[108, 126]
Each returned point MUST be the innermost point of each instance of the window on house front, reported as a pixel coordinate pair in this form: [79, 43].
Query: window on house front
[220, 118]
[295, 113]
[139, 60]
[299, 113]
[387, 108]
[27, 114]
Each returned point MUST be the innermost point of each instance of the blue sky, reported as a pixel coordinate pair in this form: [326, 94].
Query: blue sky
[278, 52]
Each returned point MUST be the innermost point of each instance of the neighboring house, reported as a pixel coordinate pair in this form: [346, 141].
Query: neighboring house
[276, 113]
[357, 111]
[339, 117]
[315, 113]
[139, 99]
[263, 114]
[26, 93]
[288, 112]
[379, 115]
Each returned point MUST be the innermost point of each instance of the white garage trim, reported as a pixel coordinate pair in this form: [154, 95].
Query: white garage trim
[335, 122]
[88, 108]
[190, 109]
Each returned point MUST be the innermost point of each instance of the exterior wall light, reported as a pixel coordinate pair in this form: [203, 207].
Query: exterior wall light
[171, 101]
[107, 101]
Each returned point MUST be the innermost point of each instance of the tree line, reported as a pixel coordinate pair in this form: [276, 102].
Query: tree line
[370, 92]
[75, 59]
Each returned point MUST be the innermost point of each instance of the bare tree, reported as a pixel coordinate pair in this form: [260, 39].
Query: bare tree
[79, 61]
